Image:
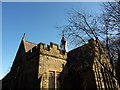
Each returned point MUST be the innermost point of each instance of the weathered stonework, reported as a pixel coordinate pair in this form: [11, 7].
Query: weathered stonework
[34, 63]
[89, 68]
[41, 66]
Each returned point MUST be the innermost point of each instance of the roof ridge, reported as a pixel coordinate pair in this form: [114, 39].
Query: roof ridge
[31, 42]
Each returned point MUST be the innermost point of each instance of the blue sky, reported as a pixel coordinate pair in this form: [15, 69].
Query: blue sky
[38, 20]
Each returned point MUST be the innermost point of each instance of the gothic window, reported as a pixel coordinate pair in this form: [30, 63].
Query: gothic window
[51, 79]
[57, 81]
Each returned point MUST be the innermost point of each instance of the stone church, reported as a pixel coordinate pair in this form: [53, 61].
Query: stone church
[41, 66]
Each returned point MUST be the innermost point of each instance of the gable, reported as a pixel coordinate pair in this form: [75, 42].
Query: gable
[28, 45]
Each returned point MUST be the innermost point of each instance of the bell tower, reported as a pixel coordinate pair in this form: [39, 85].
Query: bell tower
[63, 44]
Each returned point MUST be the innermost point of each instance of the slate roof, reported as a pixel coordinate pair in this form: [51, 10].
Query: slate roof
[29, 45]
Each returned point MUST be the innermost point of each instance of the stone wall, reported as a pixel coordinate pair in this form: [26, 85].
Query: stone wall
[51, 60]
[105, 75]
[41, 60]
[89, 66]
[46, 66]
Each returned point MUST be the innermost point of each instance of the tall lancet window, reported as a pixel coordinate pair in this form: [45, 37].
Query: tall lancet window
[63, 44]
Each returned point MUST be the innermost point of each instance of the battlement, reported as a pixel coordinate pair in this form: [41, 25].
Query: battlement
[49, 50]
[98, 47]
[47, 47]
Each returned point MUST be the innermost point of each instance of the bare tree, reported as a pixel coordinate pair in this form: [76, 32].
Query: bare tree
[83, 26]
[80, 28]
[110, 24]
[110, 28]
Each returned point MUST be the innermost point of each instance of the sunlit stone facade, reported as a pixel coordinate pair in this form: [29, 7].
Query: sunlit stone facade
[40, 66]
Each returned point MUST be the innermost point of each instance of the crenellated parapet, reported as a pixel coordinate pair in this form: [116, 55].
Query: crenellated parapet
[50, 50]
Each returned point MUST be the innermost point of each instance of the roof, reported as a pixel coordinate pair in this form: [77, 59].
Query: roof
[29, 45]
